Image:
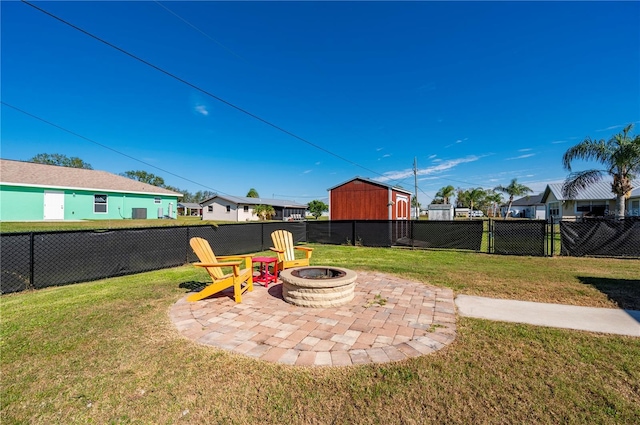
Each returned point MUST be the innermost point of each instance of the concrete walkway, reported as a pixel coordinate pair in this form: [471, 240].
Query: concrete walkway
[605, 320]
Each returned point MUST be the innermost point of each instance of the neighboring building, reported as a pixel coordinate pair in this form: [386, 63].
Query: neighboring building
[32, 192]
[189, 209]
[597, 200]
[365, 199]
[441, 212]
[526, 207]
[241, 208]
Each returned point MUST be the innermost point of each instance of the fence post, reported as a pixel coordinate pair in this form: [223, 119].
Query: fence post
[31, 262]
[490, 236]
[353, 233]
[553, 237]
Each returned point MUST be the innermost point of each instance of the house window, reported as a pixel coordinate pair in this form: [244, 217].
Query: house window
[634, 207]
[228, 208]
[554, 209]
[591, 208]
[157, 200]
[246, 208]
[99, 203]
[210, 208]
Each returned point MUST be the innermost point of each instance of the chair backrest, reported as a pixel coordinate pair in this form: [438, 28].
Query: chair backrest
[283, 240]
[205, 254]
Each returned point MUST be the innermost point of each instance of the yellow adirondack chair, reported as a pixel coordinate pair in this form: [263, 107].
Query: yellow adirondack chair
[283, 242]
[221, 281]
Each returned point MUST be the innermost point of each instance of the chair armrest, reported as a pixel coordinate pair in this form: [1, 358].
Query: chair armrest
[228, 257]
[229, 264]
[281, 251]
[304, 248]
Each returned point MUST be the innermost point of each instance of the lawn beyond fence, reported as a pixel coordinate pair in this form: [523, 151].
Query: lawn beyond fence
[106, 352]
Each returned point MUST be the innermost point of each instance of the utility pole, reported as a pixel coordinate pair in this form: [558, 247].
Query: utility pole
[415, 179]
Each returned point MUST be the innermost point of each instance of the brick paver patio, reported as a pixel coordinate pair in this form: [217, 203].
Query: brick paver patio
[416, 319]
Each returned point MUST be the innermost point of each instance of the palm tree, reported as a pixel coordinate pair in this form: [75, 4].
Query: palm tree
[493, 199]
[620, 156]
[252, 193]
[445, 193]
[513, 189]
[264, 212]
[475, 196]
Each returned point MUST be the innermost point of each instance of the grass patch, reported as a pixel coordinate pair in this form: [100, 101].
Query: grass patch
[106, 352]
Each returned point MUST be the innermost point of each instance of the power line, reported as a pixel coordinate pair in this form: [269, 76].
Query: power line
[200, 31]
[195, 87]
[109, 148]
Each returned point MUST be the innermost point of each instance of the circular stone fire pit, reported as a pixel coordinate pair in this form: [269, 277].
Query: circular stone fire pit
[318, 286]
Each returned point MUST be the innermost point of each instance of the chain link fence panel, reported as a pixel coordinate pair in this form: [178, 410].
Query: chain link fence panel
[519, 237]
[15, 262]
[334, 232]
[601, 237]
[457, 234]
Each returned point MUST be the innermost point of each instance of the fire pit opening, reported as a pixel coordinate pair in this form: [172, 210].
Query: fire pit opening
[318, 273]
[318, 286]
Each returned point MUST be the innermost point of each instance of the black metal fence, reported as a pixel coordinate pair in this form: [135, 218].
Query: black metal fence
[601, 237]
[40, 259]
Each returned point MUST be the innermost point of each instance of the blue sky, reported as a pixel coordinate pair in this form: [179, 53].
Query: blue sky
[478, 92]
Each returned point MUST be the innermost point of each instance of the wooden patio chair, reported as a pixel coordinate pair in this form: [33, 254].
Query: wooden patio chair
[222, 281]
[283, 246]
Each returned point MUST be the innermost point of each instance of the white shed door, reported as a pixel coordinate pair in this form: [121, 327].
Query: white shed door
[53, 205]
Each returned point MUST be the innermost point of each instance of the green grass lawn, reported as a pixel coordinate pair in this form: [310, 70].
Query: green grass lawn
[106, 352]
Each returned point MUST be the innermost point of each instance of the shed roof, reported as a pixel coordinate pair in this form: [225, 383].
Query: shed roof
[30, 174]
[257, 201]
[375, 182]
[595, 191]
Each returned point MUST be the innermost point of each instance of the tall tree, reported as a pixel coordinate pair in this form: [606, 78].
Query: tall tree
[493, 200]
[446, 193]
[513, 189]
[252, 193]
[462, 198]
[620, 156]
[144, 177]
[475, 196]
[61, 160]
[317, 207]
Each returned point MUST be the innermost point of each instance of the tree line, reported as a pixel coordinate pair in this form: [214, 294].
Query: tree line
[481, 199]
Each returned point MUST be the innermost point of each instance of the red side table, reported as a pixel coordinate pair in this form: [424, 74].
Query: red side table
[265, 276]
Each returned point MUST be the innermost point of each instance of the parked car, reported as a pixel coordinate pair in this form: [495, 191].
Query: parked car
[476, 213]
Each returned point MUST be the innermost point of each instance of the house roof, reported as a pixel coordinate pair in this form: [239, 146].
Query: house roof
[257, 201]
[30, 174]
[192, 205]
[528, 201]
[595, 191]
[377, 183]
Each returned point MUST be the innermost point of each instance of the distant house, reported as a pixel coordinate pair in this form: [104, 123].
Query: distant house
[241, 208]
[190, 209]
[597, 200]
[365, 199]
[32, 192]
[526, 207]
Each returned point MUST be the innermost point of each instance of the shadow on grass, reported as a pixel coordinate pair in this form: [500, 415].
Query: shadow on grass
[193, 286]
[624, 292]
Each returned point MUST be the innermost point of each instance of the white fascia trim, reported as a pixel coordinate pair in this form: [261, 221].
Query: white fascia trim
[89, 189]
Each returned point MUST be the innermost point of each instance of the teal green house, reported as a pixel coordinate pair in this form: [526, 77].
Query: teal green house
[34, 192]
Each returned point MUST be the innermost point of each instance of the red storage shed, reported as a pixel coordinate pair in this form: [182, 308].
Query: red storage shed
[365, 199]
